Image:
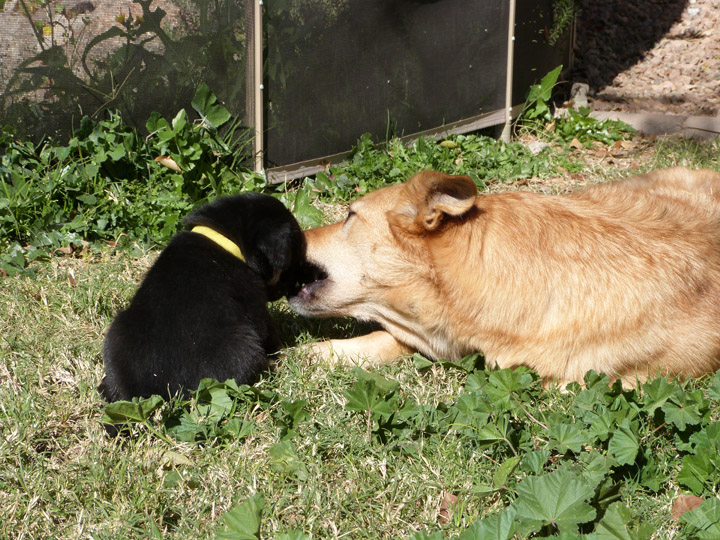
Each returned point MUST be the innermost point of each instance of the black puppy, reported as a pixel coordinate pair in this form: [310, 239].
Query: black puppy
[201, 310]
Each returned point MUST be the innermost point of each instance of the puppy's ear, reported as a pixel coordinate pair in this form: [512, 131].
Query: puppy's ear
[429, 198]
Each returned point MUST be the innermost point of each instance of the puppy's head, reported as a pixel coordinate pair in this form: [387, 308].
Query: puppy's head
[266, 232]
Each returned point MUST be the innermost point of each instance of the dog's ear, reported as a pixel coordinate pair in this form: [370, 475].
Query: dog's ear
[429, 198]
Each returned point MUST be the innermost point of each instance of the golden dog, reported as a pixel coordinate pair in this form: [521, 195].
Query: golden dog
[621, 278]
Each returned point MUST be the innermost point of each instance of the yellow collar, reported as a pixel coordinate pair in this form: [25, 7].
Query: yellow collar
[220, 240]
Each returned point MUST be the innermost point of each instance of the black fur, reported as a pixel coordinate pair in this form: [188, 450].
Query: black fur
[202, 312]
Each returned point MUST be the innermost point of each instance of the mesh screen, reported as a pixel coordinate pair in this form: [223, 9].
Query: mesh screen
[334, 69]
[535, 29]
[377, 66]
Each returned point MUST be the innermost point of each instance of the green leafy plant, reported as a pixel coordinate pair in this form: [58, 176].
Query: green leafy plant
[123, 68]
[574, 125]
[564, 13]
[106, 183]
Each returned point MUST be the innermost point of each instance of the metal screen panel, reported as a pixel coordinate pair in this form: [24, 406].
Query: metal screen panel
[534, 55]
[336, 70]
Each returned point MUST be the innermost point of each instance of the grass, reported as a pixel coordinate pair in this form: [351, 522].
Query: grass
[325, 466]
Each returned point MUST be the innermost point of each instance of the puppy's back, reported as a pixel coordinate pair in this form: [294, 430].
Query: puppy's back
[198, 313]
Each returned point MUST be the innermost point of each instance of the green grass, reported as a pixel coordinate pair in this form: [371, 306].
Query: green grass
[336, 452]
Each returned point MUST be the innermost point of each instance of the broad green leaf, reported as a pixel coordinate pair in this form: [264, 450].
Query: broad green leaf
[705, 520]
[714, 387]
[558, 498]
[293, 535]
[467, 363]
[595, 466]
[242, 522]
[510, 380]
[534, 461]
[179, 122]
[476, 381]
[617, 524]
[117, 153]
[212, 113]
[285, 459]
[697, 472]
[384, 385]
[365, 396]
[598, 381]
[137, 410]
[295, 410]
[600, 425]
[540, 94]
[568, 437]
[657, 392]
[295, 413]
[504, 471]
[624, 443]
[305, 212]
[708, 438]
[237, 428]
[421, 363]
[185, 427]
[652, 475]
[424, 535]
[492, 432]
[681, 412]
[501, 526]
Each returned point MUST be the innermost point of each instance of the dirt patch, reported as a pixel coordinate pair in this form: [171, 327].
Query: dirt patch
[650, 55]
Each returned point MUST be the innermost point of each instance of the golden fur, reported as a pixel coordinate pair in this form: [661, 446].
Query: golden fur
[622, 278]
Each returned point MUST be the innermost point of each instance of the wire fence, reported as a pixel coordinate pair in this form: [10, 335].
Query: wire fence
[331, 69]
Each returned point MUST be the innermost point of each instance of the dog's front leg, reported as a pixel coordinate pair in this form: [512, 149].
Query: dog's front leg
[372, 349]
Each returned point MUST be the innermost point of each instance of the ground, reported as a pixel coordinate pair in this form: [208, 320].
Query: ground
[660, 56]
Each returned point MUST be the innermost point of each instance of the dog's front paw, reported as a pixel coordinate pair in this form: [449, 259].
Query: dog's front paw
[321, 351]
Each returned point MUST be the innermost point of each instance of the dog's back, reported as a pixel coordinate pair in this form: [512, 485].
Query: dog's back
[622, 278]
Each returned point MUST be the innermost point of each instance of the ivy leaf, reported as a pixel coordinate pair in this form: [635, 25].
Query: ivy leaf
[657, 392]
[501, 526]
[714, 388]
[697, 472]
[373, 393]
[616, 525]
[705, 520]
[504, 471]
[305, 212]
[293, 535]
[212, 113]
[137, 410]
[558, 499]
[568, 437]
[681, 412]
[424, 535]
[285, 459]
[624, 444]
[242, 522]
